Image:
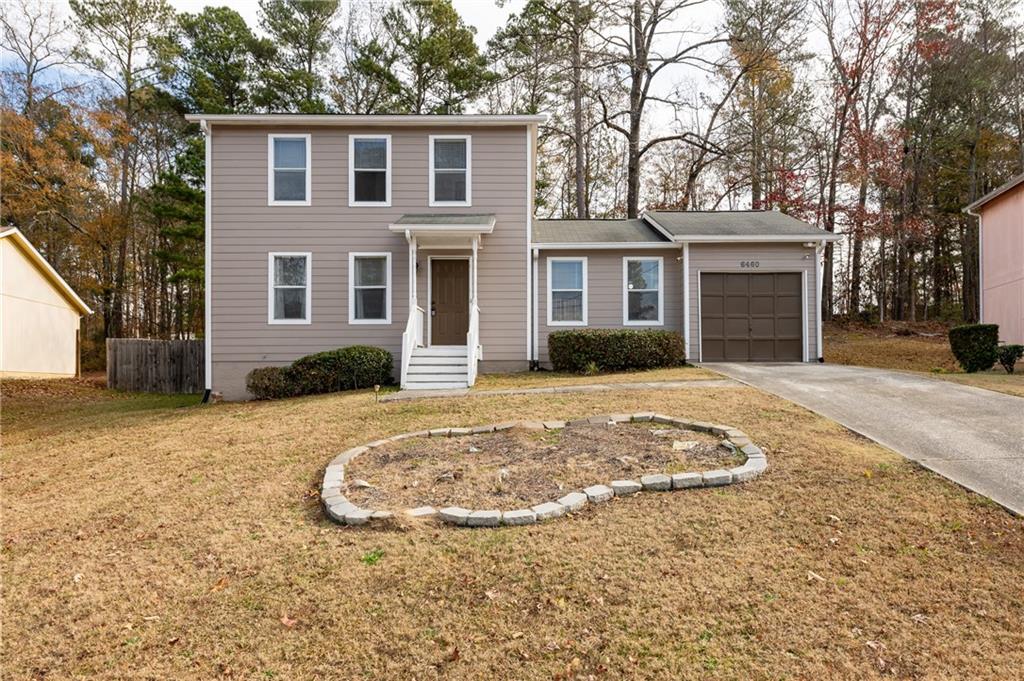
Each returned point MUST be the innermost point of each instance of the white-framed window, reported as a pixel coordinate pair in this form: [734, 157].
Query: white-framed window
[369, 170]
[289, 288]
[451, 170]
[567, 291]
[369, 288]
[643, 287]
[288, 170]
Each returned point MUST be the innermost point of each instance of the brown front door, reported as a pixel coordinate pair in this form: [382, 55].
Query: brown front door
[751, 317]
[449, 304]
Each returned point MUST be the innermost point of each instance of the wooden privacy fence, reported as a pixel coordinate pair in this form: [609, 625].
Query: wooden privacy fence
[155, 366]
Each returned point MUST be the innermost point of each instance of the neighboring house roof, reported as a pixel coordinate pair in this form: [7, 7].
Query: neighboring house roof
[26, 247]
[594, 231]
[737, 225]
[390, 120]
[996, 193]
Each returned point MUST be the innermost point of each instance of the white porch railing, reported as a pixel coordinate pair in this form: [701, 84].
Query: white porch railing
[411, 339]
[472, 343]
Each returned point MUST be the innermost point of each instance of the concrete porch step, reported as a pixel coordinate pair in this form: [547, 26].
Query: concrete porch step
[441, 351]
[451, 370]
[435, 385]
[439, 360]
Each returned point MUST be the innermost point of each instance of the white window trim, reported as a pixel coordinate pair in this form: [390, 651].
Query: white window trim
[386, 203]
[308, 319]
[626, 321]
[469, 169]
[551, 290]
[352, 288]
[270, 170]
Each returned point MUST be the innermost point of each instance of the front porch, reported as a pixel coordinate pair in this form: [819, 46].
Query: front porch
[441, 344]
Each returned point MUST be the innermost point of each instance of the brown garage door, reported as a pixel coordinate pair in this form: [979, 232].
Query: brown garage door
[751, 317]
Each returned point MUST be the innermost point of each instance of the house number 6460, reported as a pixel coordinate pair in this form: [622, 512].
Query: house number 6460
[750, 263]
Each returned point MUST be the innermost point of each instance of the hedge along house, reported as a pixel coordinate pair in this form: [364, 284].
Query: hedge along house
[416, 234]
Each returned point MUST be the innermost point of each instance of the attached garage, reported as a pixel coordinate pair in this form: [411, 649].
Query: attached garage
[752, 317]
[739, 286]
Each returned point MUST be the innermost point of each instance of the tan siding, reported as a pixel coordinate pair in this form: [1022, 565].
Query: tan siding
[604, 291]
[772, 258]
[245, 229]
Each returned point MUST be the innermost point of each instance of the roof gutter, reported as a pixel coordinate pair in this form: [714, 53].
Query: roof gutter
[606, 245]
[389, 120]
[756, 238]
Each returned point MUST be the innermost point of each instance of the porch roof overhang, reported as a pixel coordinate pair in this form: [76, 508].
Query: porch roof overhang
[452, 228]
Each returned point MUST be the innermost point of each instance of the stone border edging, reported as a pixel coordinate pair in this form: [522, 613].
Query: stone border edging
[339, 509]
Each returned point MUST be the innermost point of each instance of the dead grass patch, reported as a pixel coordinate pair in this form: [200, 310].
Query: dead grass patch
[189, 543]
[520, 468]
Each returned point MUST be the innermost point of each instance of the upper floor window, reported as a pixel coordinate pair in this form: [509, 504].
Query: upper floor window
[451, 170]
[289, 288]
[369, 170]
[567, 291]
[369, 290]
[642, 299]
[289, 176]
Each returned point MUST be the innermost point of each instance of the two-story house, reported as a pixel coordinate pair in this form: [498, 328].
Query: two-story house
[417, 234]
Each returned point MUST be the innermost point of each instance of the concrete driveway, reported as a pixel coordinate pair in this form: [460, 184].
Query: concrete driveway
[972, 436]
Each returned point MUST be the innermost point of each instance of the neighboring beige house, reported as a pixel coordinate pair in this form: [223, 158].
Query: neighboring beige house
[1000, 216]
[416, 234]
[40, 314]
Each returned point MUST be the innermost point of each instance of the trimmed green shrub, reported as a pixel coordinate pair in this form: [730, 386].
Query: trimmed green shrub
[974, 346]
[1008, 356]
[579, 350]
[357, 366]
[270, 383]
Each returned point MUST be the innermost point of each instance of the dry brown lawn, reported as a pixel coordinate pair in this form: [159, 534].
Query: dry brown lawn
[882, 347]
[145, 538]
[549, 379]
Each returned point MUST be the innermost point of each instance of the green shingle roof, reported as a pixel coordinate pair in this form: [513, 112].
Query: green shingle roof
[752, 223]
[594, 231]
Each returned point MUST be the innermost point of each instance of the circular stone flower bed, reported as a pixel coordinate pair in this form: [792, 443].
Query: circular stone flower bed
[520, 472]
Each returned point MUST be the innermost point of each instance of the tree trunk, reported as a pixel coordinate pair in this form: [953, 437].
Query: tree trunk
[858, 245]
[577, 110]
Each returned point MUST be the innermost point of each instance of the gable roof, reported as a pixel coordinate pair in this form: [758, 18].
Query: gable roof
[756, 225]
[996, 193]
[57, 281]
[594, 231]
[662, 228]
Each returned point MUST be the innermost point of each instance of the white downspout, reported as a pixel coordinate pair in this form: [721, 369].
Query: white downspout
[819, 253]
[686, 300]
[207, 129]
[535, 349]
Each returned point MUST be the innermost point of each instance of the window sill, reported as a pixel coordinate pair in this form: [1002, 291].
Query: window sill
[552, 323]
[376, 322]
[450, 204]
[369, 204]
[626, 322]
[289, 203]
